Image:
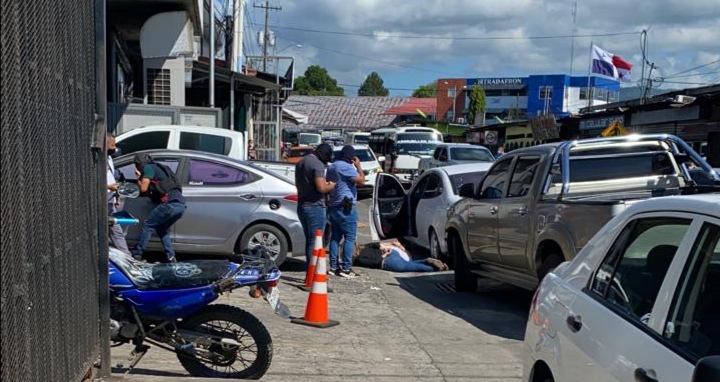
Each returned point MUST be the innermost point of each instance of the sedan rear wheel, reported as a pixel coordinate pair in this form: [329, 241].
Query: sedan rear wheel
[269, 236]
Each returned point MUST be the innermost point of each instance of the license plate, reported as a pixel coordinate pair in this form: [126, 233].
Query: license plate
[274, 297]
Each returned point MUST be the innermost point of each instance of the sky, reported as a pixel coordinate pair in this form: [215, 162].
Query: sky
[415, 42]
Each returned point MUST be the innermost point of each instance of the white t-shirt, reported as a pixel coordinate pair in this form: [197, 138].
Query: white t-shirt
[402, 253]
[111, 179]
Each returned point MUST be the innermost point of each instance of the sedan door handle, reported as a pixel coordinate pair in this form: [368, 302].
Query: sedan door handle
[574, 323]
[522, 211]
[641, 375]
[493, 210]
[247, 197]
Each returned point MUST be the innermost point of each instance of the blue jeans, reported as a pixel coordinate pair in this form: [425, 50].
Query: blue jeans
[342, 225]
[312, 218]
[395, 263]
[161, 218]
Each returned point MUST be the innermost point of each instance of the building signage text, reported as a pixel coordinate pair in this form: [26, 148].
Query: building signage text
[499, 81]
[601, 123]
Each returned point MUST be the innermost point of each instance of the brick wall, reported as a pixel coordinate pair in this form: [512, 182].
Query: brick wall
[445, 103]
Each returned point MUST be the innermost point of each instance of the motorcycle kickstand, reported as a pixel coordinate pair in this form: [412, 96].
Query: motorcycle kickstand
[137, 354]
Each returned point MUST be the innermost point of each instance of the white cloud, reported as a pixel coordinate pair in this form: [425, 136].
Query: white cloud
[682, 34]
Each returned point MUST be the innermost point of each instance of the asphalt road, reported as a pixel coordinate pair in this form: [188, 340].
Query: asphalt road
[393, 327]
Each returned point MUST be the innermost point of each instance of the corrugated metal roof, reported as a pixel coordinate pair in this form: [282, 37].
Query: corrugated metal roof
[344, 112]
[412, 105]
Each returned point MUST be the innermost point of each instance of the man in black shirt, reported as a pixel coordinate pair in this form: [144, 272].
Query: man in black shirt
[312, 187]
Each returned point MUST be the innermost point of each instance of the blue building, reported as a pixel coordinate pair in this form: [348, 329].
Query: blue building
[517, 98]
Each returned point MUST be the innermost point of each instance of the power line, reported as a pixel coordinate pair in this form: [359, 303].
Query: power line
[694, 68]
[454, 38]
[267, 7]
[693, 74]
[380, 61]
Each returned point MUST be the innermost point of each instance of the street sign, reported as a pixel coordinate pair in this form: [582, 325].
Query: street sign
[491, 137]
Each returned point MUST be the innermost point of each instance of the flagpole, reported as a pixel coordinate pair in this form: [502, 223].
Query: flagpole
[589, 91]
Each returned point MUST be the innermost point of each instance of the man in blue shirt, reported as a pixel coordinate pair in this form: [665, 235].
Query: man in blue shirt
[346, 171]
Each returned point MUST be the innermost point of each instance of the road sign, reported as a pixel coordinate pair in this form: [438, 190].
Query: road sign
[491, 137]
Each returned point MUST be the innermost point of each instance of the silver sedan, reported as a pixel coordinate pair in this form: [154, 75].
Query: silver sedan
[232, 205]
[420, 214]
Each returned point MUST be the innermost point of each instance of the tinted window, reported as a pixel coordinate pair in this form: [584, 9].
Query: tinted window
[594, 169]
[695, 314]
[405, 148]
[471, 154]
[362, 139]
[205, 173]
[523, 175]
[144, 141]
[458, 180]
[494, 182]
[205, 142]
[128, 170]
[631, 275]
[433, 187]
[429, 136]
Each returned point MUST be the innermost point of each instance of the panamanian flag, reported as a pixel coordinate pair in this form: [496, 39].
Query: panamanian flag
[608, 64]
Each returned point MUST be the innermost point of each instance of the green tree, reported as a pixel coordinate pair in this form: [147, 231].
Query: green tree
[477, 106]
[426, 91]
[317, 82]
[373, 87]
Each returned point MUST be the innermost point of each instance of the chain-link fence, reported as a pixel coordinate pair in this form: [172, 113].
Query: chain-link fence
[49, 227]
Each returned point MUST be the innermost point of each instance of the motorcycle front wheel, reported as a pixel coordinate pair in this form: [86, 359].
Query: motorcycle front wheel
[246, 352]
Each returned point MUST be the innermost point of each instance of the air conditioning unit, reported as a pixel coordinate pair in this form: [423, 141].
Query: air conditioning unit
[461, 120]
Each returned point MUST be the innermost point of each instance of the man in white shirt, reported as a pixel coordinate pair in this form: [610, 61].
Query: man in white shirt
[117, 235]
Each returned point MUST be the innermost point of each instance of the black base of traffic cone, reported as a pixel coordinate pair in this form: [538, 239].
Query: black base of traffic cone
[301, 321]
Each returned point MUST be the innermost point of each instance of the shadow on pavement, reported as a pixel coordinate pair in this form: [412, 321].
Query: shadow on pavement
[496, 308]
[141, 371]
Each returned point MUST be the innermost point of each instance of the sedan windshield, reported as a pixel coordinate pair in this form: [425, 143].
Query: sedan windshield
[471, 154]
[406, 148]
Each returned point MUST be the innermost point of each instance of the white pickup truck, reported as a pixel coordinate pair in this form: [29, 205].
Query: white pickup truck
[447, 154]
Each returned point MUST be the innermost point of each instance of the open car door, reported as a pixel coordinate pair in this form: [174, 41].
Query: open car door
[389, 209]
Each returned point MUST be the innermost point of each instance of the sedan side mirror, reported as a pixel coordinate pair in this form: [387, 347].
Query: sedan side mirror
[707, 369]
[381, 159]
[467, 190]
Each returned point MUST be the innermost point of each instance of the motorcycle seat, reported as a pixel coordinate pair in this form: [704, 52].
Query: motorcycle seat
[181, 275]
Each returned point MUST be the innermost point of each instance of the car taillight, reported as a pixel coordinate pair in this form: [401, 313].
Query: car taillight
[292, 198]
[273, 284]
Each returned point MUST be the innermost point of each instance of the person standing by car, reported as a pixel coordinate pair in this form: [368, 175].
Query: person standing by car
[312, 187]
[346, 171]
[164, 189]
[117, 235]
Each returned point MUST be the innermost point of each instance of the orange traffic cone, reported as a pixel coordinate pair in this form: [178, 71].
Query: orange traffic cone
[316, 312]
[313, 262]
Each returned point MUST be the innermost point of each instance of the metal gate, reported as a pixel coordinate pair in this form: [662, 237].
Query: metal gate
[49, 227]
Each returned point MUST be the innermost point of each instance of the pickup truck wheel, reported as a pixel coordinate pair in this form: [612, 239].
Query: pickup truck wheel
[465, 281]
[267, 235]
[551, 262]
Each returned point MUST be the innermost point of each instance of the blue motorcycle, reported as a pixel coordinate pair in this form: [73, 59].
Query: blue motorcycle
[169, 306]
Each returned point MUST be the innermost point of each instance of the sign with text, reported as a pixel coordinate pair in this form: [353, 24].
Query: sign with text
[601, 123]
[497, 81]
[544, 127]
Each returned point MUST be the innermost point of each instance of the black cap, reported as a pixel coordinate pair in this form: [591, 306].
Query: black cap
[324, 152]
[347, 153]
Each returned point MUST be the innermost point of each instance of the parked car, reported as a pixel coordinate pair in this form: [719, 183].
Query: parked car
[420, 214]
[370, 165]
[298, 152]
[447, 154]
[179, 137]
[641, 301]
[538, 206]
[232, 205]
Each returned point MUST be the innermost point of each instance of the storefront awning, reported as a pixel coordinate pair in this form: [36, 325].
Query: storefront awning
[295, 117]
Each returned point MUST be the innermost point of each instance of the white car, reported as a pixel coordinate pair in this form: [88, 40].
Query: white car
[370, 165]
[640, 302]
[179, 137]
[420, 214]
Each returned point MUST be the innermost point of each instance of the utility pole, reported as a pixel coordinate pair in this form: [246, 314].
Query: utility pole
[266, 34]
[574, 31]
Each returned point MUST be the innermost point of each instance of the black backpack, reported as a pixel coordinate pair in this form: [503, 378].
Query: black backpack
[168, 184]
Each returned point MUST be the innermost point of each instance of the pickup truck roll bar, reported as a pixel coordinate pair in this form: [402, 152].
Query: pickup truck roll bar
[677, 145]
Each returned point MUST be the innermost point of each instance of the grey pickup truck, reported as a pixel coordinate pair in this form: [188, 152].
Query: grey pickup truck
[538, 206]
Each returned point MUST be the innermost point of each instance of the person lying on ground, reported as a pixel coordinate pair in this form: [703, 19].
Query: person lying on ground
[392, 256]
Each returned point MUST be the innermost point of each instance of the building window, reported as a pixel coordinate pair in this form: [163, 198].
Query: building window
[545, 92]
[451, 93]
[450, 116]
[158, 86]
[583, 93]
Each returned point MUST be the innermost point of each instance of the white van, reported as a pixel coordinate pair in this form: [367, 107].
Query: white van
[177, 137]
[356, 138]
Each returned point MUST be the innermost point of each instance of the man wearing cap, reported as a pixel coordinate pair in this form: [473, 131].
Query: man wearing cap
[312, 187]
[346, 171]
